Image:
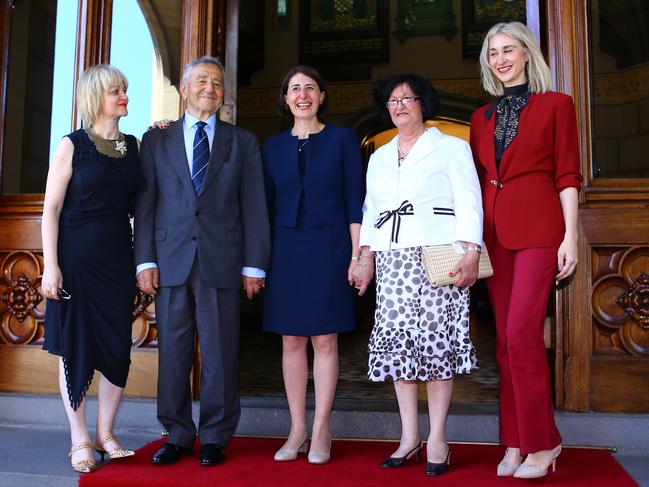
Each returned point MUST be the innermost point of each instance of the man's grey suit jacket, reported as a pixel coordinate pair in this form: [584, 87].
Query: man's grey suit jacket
[227, 223]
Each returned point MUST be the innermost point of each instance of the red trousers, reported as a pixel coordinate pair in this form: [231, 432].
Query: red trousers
[519, 291]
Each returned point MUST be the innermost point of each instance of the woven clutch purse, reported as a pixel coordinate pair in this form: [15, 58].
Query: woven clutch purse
[440, 259]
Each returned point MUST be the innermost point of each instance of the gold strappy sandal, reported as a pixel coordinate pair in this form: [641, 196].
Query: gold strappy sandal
[119, 452]
[83, 466]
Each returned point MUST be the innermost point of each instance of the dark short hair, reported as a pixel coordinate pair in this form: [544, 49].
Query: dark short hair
[419, 85]
[283, 109]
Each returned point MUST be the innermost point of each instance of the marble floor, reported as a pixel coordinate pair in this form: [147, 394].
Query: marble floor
[261, 369]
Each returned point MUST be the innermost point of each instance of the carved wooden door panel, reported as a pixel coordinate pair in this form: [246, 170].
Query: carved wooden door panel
[603, 314]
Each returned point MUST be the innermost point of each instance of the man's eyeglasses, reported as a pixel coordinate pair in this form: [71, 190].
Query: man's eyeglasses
[394, 103]
[63, 294]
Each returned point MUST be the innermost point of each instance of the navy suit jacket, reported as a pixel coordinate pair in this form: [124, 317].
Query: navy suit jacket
[332, 179]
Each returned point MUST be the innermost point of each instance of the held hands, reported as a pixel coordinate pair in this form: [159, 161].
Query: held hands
[51, 282]
[252, 285]
[148, 281]
[566, 258]
[468, 268]
[361, 273]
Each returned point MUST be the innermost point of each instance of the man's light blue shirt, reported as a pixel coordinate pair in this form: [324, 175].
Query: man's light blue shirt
[189, 132]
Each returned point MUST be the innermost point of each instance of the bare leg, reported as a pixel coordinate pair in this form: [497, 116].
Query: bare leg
[325, 378]
[407, 398]
[109, 396]
[295, 371]
[439, 394]
[77, 419]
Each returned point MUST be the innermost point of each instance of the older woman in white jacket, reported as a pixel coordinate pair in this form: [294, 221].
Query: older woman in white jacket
[422, 189]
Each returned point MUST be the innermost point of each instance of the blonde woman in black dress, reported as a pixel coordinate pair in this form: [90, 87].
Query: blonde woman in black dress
[89, 272]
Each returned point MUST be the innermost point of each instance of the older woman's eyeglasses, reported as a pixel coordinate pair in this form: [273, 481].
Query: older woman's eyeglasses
[405, 101]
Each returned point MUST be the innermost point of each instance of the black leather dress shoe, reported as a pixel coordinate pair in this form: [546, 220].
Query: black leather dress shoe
[170, 453]
[211, 454]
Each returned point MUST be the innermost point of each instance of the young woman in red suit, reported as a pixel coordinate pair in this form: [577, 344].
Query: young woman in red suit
[526, 151]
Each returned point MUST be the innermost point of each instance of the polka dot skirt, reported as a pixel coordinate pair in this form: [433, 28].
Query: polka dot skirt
[420, 332]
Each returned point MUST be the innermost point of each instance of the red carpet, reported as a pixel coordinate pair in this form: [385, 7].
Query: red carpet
[354, 463]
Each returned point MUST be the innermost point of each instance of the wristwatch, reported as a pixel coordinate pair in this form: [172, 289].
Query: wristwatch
[477, 248]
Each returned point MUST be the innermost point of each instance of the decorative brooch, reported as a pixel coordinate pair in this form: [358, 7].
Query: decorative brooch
[120, 146]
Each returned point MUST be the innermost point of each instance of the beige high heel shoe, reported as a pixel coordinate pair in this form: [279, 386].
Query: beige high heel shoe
[531, 471]
[119, 452]
[318, 458]
[286, 454]
[506, 469]
[83, 466]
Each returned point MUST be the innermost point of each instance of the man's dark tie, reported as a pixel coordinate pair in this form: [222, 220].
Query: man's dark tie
[201, 156]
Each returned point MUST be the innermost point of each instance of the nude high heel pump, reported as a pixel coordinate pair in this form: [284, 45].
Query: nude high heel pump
[506, 469]
[286, 454]
[318, 458]
[532, 471]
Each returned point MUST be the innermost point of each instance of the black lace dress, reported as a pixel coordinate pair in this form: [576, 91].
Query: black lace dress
[92, 329]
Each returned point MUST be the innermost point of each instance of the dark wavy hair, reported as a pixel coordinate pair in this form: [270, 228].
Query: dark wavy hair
[283, 109]
[419, 85]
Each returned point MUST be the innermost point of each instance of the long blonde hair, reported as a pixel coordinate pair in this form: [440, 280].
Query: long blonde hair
[536, 69]
[92, 86]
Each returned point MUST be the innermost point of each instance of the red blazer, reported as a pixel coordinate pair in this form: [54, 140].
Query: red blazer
[521, 201]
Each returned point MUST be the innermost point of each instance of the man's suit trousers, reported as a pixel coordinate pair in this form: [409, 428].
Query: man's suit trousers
[182, 311]
[519, 291]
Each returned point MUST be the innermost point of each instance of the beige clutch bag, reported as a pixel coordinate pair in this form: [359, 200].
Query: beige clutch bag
[440, 259]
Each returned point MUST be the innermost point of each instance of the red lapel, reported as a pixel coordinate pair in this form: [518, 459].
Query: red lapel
[487, 148]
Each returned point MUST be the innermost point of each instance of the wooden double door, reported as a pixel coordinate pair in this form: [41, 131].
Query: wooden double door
[601, 318]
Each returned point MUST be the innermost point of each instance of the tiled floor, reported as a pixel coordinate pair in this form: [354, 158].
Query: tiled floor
[261, 369]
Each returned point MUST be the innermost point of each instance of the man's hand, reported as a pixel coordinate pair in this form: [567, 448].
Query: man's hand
[252, 285]
[147, 281]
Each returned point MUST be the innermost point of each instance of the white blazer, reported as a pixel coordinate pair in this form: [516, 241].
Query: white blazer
[432, 198]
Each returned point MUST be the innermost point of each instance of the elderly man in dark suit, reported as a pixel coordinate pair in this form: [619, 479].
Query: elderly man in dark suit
[201, 228]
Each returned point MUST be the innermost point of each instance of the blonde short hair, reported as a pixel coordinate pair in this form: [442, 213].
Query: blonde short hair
[536, 69]
[92, 86]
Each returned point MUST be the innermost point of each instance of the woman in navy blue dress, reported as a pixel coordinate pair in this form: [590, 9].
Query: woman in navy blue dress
[89, 270]
[313, 185]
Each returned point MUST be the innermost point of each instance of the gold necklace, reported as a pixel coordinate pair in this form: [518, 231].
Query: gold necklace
[109, 147]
